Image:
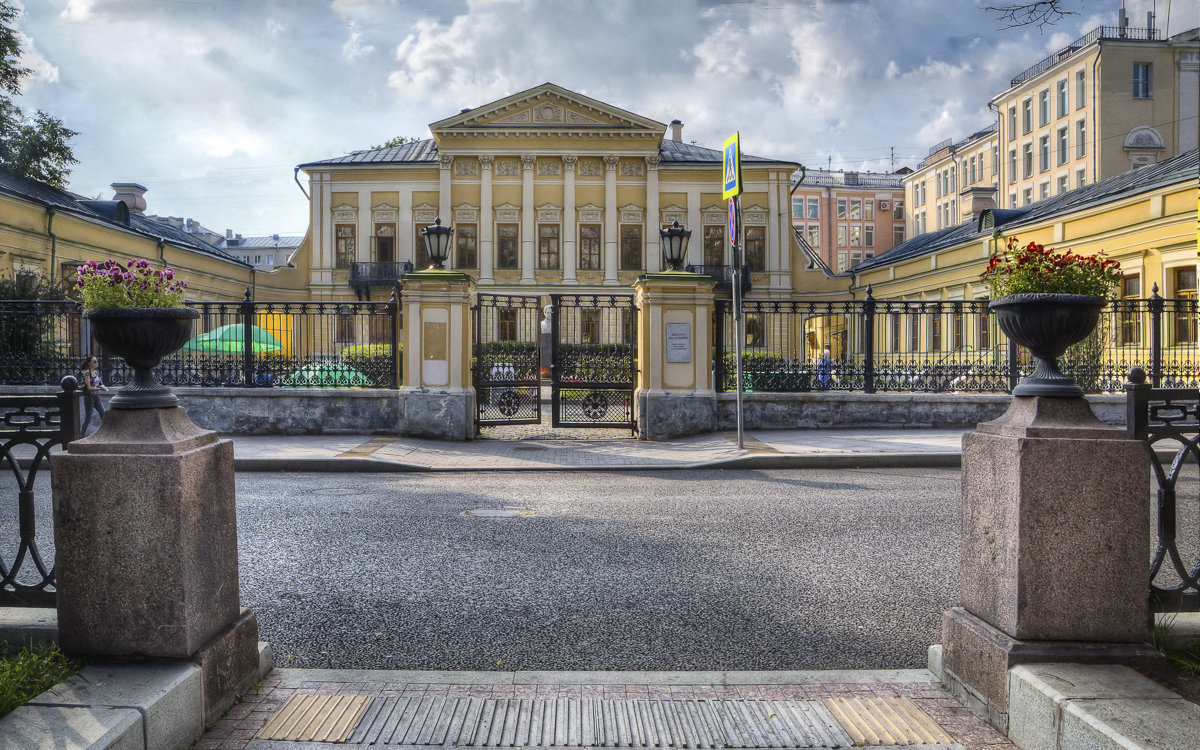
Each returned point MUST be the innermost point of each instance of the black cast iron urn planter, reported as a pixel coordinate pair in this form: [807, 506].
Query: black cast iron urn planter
[1047, 325]
[142, 336]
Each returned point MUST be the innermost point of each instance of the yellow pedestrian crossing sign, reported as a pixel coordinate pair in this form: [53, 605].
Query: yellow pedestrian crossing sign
[731, 181]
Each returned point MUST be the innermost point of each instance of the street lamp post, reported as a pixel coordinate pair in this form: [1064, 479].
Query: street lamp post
[437, 243]
[675, 241]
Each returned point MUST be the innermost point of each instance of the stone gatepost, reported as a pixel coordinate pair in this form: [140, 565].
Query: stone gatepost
[1055, 550]
[437, 399]
[675, 393]
[145, 534]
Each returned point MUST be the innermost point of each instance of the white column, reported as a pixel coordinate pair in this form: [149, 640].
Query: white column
[1189, 100]
[528, 228]
[653, 220]
[365, 227]
[611, 227]
[568, 223]
[404, 228]
[486, 252]
[695, 251]
[771, 261]
[445, 163]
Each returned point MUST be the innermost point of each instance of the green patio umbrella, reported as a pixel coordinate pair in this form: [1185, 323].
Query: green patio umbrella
[231, 339]
[327, 375]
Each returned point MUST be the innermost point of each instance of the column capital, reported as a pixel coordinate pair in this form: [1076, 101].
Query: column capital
[652, 162]
[445, 161]
[569, 160]
[528, 160]
[486, 160]
[610, 162]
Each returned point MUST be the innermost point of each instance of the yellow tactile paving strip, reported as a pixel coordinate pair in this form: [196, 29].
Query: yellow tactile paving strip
[367, 448]
[885, 721]
[315, 718]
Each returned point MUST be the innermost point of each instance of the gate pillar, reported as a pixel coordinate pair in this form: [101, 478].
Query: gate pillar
[437, 399]
[675, 394]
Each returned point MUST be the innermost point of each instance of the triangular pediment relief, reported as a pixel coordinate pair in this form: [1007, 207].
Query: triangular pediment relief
[673, 209]
[548, 107]
[589, 207]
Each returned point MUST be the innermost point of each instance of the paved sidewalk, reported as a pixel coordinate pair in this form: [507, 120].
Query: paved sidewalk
[612, 451]
[627, 697]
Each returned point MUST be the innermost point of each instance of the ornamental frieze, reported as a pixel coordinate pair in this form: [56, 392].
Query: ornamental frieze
[508, 168]
[631, 169]
[384, 213]
[549, 168]
[590, 168]
[466, 169]
[345, 213]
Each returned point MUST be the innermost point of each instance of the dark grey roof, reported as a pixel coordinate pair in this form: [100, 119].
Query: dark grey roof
[416, 152]
[1178, 169]
[425, 152]
[107, 212]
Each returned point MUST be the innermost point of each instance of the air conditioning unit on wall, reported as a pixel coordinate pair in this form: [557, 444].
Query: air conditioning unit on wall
[885, 205]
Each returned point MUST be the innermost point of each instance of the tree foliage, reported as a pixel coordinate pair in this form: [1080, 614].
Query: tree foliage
[36, 147]
[399, 140]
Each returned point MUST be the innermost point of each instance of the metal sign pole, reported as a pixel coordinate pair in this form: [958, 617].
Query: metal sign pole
[739, 320]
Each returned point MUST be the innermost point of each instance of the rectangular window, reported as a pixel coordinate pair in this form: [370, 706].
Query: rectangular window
[1027, 161]
[589, 247]
[1185, 305]
[1012, 200]
[897, 234]
[465, 238]
[1043, 153]
[855, 235]
[798, 208]
[589, 326]
[385, 243]
[898, 211]
[1044, 190]
[1043, 107]
[958, 329]
[1028, 196]
[1130, 320]
[841, 261]
[548, 246]
[869, 209]
[814, 211]
[1143, 83]
[995, 163]
[855, 209]
[914, 333]
[869, 235]
[756, 248]
[935, 332]
[754, 330]
[1012, 164]
[1080, 89]
[1063, 104]
[714, 246]
[841, 235]
[420, 253]
[508, 246]
[1063, 185]
[506, 325]
[985, 331]
[345, 324]
[1064, 152]
[1012, 122]
[344, 250]
[814, 235]
[1081, 177]
[1081, 139]
[841, 209]
[627, 319]
[1027, 117]
[631, 248]
[897, 341]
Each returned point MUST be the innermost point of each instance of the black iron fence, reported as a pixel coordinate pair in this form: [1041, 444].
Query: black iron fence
[237, 344]
[936, 346]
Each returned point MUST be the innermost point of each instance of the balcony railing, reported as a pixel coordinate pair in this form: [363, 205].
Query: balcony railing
[379, 273]
[1100, 32]
[723, 275]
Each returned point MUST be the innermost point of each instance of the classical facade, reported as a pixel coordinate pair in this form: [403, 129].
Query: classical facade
[954, 181]
[847, 217]
[547, 190]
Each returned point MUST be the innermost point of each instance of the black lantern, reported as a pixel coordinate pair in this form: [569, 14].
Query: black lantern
[437, 243]
[675, 241]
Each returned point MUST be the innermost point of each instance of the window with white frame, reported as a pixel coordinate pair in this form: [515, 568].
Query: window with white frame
[1081, 177]
[1081, 139]
[1027, 117]
[589, 247]
[1043, 153]
[714, 245]
[1043, 107]
[869, 235]
[548, 246]
[841, 209]
[1012, 122]
[1064, 153]
[1080, 89]
[1143, 83]
[1063, 184]
[814, 210]
[1062, 98]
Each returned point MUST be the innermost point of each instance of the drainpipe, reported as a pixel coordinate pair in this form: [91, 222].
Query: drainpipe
[1094, 107]
[162, 251]
[296, 177]
[50, 211]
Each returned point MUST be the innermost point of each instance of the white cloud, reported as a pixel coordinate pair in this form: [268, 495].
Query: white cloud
[354, 46]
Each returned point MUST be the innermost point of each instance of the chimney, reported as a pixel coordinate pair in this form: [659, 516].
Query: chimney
[132, 195]
[978, 199]
[677, 131]
[229, 234]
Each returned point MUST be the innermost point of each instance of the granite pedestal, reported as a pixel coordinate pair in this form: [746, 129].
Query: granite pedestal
[145, 532]
[1055, 545]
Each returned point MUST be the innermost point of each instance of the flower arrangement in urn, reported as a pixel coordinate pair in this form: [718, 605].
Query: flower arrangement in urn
[138, 314]
[1047, 301]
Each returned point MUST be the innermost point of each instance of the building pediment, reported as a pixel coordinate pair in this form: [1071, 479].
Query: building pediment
[547, 108]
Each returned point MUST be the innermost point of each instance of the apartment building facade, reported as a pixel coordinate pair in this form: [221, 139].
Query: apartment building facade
[846, 217]
[955, 181]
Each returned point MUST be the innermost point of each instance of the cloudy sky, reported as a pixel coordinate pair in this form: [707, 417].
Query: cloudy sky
[211, 103]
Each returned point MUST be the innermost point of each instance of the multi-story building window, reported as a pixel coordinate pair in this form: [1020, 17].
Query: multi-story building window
[1185, 305]
[385, 243]
[898, 210]
[798, 208]
[344, 248]
[508, 246]
[843, 232]
[631, 247]
[841, 209]
[855, 235]
[548, 246]
[897, 234]
[869, 209]
[1028, 196]
[1043, 107]
[1143, 82]
[855, 209]
[1043, 153]
[1062, 184]
[814, 208]
[814, 235]
[1130, 325]
[714, 246]
[1081, 177]
[465, 238]
[1044, 190]
[589, 247]
[1012, 122]
[869, 235]
[1027, 160]
[1081, 139]
[1063, 151]
[995, 162]
[506, 325]
[1080, 89]
[1063, 107]
[756, 248]
[1012, 200]
[1012, 164]
[1026, 117]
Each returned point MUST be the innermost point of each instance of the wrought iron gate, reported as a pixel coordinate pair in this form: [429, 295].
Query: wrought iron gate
[594, 351]
[507, 360]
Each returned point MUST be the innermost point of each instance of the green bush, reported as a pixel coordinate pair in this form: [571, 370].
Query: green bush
[28, 332]
[370, 358]
[27, 673]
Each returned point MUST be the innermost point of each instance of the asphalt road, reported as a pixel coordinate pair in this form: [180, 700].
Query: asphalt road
[659, 570]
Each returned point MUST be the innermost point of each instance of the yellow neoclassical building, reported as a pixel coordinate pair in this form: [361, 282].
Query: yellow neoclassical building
[547, 190]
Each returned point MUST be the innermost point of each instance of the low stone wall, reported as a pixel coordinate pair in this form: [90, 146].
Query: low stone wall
[796, 411]
[291, 411]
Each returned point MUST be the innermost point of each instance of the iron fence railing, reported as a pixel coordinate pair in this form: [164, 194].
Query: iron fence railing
[942, 346]
[237, 344]
[1100, 32]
